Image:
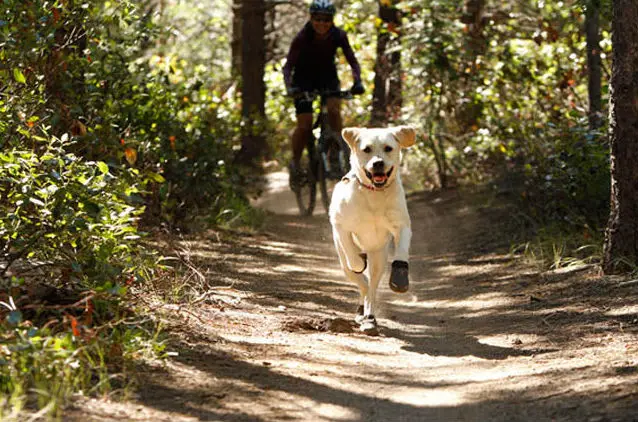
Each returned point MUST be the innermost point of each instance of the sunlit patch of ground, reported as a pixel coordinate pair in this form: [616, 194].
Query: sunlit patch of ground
[480, 336]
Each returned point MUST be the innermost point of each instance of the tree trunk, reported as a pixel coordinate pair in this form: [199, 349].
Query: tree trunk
[235, 44]
[621, 236]
[253, 61]
[473, 17]
[395, 87]
[378, 116]
[592, 29]
[468, 114]
[386, 95]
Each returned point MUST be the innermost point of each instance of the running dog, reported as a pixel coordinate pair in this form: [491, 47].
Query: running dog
[369, 215]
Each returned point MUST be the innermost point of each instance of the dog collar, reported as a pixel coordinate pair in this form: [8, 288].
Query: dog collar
[373, 188]
[352, 175]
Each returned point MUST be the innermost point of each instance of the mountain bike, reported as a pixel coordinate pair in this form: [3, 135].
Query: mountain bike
[323, 159]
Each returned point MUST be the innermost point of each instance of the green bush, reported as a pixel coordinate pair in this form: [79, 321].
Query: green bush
[567, 180]
[72, 223]
[99, 138]
[68, 214]
[87, 69]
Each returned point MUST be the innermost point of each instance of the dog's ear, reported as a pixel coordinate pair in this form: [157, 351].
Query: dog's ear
[405, 136]
[351, 136]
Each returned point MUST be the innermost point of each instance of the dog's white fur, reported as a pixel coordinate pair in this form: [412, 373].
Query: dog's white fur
[369, 213]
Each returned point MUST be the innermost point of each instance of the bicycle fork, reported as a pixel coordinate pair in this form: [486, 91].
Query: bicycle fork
[325, 159]
[327, 134]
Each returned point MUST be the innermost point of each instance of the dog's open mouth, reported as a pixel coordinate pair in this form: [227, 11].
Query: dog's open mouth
[379, 179]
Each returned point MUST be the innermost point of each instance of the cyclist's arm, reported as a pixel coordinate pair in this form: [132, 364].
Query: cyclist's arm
[291, 60]
[352, 60]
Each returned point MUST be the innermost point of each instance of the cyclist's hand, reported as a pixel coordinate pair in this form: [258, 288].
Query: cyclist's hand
[292, 91]
[357, 88]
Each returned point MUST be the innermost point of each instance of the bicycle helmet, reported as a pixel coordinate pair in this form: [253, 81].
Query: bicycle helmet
[324, 7]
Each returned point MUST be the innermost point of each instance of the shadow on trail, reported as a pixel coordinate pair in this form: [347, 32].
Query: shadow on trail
[259, 380]
[209, 403]
[456, 345]
[465, 284]
[465, 288]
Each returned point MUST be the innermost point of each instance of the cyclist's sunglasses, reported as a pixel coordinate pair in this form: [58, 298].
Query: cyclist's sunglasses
[321, 18]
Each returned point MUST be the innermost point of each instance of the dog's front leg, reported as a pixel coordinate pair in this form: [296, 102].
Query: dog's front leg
[358, 278]
[376, 266]
[344, 242]
[377, 260]
[399, 281]
[402, 238]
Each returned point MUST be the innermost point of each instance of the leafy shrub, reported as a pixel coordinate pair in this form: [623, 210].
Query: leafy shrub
[72, 223]
[506, 104]
[86, 69]
[100, 136]
[42, 365]
[567, 179]
[68, 214]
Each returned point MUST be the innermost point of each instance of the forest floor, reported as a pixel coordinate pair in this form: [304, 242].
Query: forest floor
[482, 335]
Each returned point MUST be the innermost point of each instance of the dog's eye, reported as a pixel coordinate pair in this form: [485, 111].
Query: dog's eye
[388, 148]
[367, 150]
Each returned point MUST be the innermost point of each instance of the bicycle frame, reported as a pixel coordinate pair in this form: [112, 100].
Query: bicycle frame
[327, 137]
[320, 149]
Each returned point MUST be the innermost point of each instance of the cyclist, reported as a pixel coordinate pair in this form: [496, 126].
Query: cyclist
[310, 65]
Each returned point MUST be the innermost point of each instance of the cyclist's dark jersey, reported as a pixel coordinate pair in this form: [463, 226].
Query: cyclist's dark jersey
[310, 63]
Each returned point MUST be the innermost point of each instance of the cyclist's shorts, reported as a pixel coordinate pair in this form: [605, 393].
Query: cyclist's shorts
[303, 105]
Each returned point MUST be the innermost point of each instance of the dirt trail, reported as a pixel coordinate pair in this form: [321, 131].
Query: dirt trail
[479, 337]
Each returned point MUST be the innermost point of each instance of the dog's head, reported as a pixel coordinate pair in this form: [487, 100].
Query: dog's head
[375, 153]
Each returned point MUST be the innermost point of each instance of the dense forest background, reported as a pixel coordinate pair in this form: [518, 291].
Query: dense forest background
[121, 121]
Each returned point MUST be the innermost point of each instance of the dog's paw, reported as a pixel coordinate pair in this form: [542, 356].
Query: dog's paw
[368, 325]
[363, 263]
[399, 282]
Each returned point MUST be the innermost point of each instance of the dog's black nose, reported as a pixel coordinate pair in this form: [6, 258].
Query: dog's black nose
[378, 166]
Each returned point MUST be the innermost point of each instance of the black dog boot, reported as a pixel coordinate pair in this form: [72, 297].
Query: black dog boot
[399, 282]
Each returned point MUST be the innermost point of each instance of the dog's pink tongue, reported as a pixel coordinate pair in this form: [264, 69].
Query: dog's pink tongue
[379, 178]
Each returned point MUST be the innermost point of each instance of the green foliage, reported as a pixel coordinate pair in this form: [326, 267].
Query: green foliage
[68, 213]
[554, 247]
[505, 103]
[73, 223]
[100, 136]
[570, 183]
[89, 72]
[41, 366]
[35, 359]
[200, 32]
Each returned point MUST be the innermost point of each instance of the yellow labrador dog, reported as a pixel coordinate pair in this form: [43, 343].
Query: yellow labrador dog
[369, 215]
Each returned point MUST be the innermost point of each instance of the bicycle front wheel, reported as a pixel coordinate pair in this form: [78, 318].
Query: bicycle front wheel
[328, 179]
[322, 179]
[306, 189]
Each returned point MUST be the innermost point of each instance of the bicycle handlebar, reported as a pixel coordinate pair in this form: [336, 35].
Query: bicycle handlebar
[310, 95]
